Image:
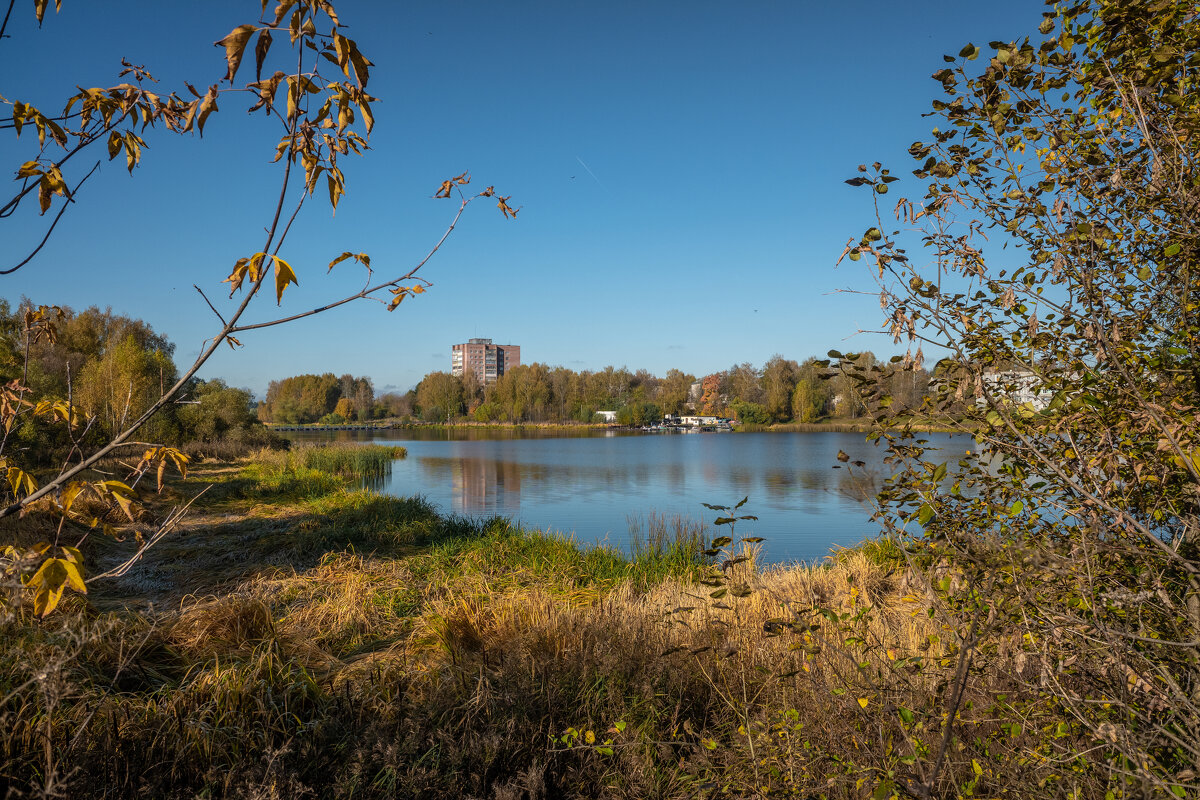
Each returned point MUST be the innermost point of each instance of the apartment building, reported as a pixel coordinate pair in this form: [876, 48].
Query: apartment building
[484, 360]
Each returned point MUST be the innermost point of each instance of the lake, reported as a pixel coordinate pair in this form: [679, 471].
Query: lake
[588, 486]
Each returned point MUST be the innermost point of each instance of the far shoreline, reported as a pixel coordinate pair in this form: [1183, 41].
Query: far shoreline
[832, 425]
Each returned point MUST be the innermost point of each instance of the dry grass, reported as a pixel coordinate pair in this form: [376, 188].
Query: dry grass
[479, 665]
[376, 676]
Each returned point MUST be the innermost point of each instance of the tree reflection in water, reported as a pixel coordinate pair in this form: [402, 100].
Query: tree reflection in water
[589, 486]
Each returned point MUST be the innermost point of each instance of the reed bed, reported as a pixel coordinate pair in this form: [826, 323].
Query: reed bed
[316, 469]
[675, 542]
[347, 459]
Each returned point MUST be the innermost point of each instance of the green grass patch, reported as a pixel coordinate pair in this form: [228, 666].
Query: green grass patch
[516, 556]
[311, 471]
[351, 460]
[882, 552]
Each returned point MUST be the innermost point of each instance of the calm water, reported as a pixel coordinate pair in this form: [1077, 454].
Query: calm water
[588, 486]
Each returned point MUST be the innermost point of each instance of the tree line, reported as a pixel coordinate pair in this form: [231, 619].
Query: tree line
[782, 390]
[328, 399]
[113, 367]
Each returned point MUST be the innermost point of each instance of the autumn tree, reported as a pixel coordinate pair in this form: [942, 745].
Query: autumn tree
[392, 404]
[122, 383]
[359, 395]
[311, 85]
[906, 382]
[343, 410]
[711, 401]
[779, 384]
[852, 385]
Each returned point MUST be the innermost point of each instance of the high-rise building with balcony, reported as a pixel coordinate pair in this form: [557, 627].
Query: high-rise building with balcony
[484, 360]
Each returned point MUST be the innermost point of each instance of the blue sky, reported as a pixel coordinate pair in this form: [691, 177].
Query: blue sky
[679, 167]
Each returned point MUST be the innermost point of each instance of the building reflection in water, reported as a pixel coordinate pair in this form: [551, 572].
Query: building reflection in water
[480, 486]
[487, 487]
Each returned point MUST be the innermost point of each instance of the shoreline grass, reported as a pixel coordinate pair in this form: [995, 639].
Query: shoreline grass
[370, 647]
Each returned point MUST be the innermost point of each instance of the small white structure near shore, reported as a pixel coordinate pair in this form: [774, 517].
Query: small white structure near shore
[1020, 386]
[607, 416]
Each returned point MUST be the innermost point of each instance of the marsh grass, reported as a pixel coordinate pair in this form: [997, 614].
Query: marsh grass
[311, 471]
[345, 459]
[453, 672]
[668, 545]
[416, 654]
[351, 460]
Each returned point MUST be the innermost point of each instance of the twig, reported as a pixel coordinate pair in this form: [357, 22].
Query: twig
[367, 291]
[50, 230]
[168, 525]
[210, 305]
[4, 25]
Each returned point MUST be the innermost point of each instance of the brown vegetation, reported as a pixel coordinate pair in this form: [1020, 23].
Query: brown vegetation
[492, 662]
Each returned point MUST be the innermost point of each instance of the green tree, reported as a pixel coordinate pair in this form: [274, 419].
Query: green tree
[300, 399]
[779, 384]
[750, 413]
[523, 392]
[566, 392]
[216, 413]
[639, 414]
[741, 382]
[674, 391]
[487, 412]
[440, 397]
[811, 397]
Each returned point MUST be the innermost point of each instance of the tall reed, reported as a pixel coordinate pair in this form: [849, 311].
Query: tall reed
[664, 545]
[352, 460]
[347, 459]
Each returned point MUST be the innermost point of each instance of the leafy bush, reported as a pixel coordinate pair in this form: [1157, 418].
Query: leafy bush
[1069, 534]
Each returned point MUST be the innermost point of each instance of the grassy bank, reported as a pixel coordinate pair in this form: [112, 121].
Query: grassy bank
[393, 423]
[508, 426]
[313, 639]
[847, 425]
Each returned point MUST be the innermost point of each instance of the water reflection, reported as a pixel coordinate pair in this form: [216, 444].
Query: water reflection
[589, 485]
[479, 486]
